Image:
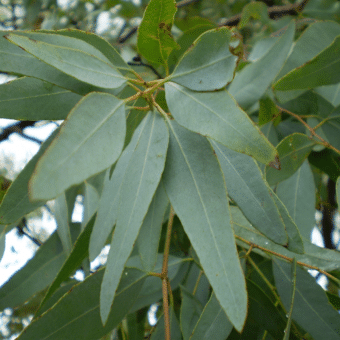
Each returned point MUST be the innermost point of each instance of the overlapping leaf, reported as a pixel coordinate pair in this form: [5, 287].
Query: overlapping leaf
[194, 183]
[109, 200]
[248, 189]
[324, 69]
[297, 193]
[312, 310]
[155, 41]
[34, 99]
[253, 80]
[216, 115]
[208, 64]
[89, 141]
[293, 150]
[139, 185]
[77, 63]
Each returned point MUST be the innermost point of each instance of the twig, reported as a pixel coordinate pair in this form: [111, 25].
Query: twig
[165, 279]
[310, 129]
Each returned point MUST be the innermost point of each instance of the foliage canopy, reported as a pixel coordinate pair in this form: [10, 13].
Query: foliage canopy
[201, 163]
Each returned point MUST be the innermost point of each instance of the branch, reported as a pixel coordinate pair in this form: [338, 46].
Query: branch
[16, 128]
[274, 13]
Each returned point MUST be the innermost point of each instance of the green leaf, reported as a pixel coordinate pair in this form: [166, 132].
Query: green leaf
[216, 115]
[98, 42]
[16, 203]
[268, 112]
[76, 314]
[34, 99]
[89, 141]
[313, 255]
[109, 200]
[194, 183]
[253, 80]
[213, 322]
[175, 331]
[2, 242]
[73, 261]
[312, 310]
[191, 309]
[72, 61]
[297, 193]
[324, 69]
[155, 41]
[208, 64]
[330, 93]
[63, 218]
[247, 187]
[150, 231]
[139, 185]
[312, 41]
[90, 204]
[338, 191]
[37, 274]
[255, 10]
[293, 150]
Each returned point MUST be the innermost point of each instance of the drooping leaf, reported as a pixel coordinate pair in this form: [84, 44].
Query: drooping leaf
[76, 315]
[313, 255]
[109, 200]
[150, 231]
[62, 217]
[86, 67]
[155, 41]
[255, 10]
[338, 191]
[90, 204]
[253, 80]
[194, 183]
[33, 99]
[191, 309]
[139, 185]
[73, 260]
[293, 150]
[208, 64]
[89, 141]
[16, 203]
[247, 187]
[213, 322]
[330, 93]
[216, 115]
[36, 275]
[324, 69]
[297, 193]
[312, 310]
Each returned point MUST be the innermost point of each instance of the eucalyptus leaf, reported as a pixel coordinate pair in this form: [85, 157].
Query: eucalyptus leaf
[194, 183]
[217, 115]
[89, 141]
[203, 68]
[139, 185]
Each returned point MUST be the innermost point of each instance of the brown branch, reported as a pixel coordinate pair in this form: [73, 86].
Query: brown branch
[15, 128]
[274, 13]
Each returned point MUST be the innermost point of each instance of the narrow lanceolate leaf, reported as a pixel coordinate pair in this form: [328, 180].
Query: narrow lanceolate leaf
[297, 193]
[91, 200]
[250, 191]
[322, 258]
[76, 314]
[194, 183]
[109, 200]
[252, 81]
[139, 185]
[155, 41]
[36, 275]
[89, 141]
[217, 115]
[212, 323]
[34, 99]
[16, 203]
[63, 218]
[208, 64]
[293, 150]
[150, 231]
[312, 310]
[324, 69]
[338, 190]
[88, 68]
